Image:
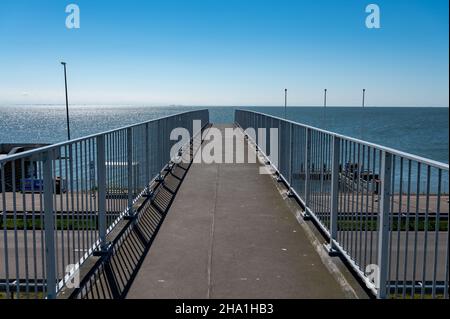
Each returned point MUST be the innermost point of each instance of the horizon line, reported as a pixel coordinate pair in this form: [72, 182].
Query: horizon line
[207, 105]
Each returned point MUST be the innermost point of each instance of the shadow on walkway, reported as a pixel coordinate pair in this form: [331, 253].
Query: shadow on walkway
[111, 276]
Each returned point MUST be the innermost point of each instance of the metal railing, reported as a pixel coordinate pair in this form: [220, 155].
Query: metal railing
[59, 202]
[385, 211]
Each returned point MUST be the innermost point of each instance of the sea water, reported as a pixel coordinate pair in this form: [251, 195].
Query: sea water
[421, 131]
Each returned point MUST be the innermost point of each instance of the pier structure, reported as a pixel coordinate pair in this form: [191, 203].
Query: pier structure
[137, 212]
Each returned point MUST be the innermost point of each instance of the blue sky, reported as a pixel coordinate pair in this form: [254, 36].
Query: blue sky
[225, 52]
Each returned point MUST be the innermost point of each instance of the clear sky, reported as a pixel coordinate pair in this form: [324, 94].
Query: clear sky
[225, 52]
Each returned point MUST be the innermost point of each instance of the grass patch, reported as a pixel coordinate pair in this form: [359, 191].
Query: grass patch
[38, 224]
[402, 225]
[417, 296]
[22, 295]
[343, 225]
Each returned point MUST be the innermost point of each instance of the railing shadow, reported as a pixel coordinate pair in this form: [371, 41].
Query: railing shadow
[111, 276]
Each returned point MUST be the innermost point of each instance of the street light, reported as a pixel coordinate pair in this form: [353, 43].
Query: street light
[363, 105]
[285, 103]
[67, 101]
[364, 98]
[325, 108]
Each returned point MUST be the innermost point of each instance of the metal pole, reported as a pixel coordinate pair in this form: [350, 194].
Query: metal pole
[334, 197]
[291, 158]
[67, 101]
[364, 98]
[307, 163]
[285, 103]
[130, 170]
[363, 105]
[383, 235]
[147, 158]
[101, 178]
[49, 224]
[325, 109]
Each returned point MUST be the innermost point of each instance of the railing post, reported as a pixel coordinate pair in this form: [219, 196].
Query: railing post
[383, 232]
[266, 140]
[147, 158]
[279, 161]
[256, 130]
[291, 158]
[49, 225]
[307, 164]
[101, 180]
[159, 145]
[334, 196]
[130, 170]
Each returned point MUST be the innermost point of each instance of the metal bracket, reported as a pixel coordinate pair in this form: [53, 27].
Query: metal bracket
[150, 194]
[331, 251]
[168, 168]
[131, 217]
[306, 216]
[104, 251]
[159, 179]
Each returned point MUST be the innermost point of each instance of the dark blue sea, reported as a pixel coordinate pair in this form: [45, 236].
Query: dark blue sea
[421, 131]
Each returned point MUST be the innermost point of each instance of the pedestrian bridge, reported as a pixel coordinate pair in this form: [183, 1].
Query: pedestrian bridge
[307, 214]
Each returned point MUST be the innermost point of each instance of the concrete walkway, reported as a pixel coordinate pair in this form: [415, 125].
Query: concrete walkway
[229, 234]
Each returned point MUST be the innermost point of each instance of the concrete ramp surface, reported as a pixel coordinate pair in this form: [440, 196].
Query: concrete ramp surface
[230, 234]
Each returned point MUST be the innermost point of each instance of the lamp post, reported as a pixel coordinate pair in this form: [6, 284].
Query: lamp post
[364, 98]
[363, 106]
[67, 101]
[325, 108]
[285, 103]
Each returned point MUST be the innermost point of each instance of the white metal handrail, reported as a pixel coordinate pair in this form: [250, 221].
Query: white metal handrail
[386, 212]
[59, 202]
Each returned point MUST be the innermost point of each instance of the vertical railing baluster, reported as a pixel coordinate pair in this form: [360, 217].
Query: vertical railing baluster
[279, 158]
[130, 170]
[307, 164]
[383, 231]
[49, 225]
[334, 196]
[5, 248]
[291, 159]
[101, 180]
[147, 158]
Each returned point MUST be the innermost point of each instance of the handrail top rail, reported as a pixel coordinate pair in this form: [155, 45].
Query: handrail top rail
[83, 138]
[393, 151]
